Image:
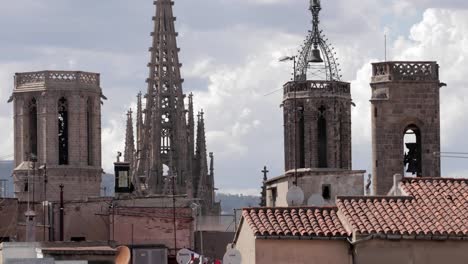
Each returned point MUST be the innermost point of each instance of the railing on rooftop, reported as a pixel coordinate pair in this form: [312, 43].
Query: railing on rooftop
[46, 77]
[405, 71]
[317, 86]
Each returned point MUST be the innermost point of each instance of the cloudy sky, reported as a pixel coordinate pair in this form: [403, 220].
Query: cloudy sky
[230, 51]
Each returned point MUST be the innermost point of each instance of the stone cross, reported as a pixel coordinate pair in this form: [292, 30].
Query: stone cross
[265, 173]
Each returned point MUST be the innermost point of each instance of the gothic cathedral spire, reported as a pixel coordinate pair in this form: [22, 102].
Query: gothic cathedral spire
[164, 138]
[165, 129]
[129, 139]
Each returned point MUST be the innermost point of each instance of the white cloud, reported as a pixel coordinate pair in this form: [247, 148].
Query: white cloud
[235, 56]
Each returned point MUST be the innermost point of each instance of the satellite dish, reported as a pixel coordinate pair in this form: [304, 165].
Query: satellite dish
[123, 255]
[184, 256]
[316, 200]
[232, 256]
[295, 196]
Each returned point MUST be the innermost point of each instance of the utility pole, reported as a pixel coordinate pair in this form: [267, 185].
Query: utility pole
[61, 212]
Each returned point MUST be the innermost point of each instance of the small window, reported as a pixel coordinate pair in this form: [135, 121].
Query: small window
[326, 191]
[273, 197]
[78, 239]
[4, 239]
[26, 186]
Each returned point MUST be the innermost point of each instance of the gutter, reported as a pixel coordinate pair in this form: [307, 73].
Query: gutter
[300, 238]
[352, 246]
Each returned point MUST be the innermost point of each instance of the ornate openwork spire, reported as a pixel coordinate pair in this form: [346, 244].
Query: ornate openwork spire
[165, 124]
[317, 59]
[129, 139]
[139, 122]
[201, 156]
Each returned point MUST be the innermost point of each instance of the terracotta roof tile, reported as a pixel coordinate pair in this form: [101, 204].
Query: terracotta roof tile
[433, 207]
[304, 221]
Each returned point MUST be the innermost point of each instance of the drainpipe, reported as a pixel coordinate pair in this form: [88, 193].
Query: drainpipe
[352, 246]
[61, 213]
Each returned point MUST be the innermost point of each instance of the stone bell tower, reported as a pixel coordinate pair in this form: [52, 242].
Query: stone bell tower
[317, 128]
[317, 107]
[405, 104]
[57, 127]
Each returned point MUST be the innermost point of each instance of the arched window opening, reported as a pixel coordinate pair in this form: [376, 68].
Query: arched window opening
[33, 128]
[322, 138]
[301, 136]
[63, 131]
[89, 129]
[412, 151]
[165, 141]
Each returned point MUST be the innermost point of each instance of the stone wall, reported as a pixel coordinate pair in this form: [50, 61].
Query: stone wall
[82, 92]
[399, 101]
[311, 181]
[308, 97]
[411, 251]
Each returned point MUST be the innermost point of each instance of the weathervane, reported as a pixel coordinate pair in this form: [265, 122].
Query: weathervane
[311, 65]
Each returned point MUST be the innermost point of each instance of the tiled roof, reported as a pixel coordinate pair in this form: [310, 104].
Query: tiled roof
[434, 207]
[304, 221]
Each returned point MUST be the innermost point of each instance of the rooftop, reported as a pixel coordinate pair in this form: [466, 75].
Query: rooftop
[300, 222]
[429, 208]
[435, 207]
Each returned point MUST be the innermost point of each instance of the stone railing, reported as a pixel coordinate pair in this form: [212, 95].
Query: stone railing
[405, 71]
[46, 77]
[332, 87]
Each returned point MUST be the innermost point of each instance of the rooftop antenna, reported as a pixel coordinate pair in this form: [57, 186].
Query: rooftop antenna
[385, 46]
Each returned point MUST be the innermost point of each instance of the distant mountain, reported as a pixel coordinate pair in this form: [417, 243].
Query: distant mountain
[7, 166]
[229, 202]
[6, 169]
[108, 185]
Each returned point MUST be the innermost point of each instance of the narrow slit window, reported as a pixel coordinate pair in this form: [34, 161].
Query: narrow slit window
[89, 124]
[63, 131]
[326, 191]
[322, 138]
[33, 128]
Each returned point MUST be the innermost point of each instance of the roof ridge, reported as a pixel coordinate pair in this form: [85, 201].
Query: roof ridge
[409, 179]
[375, 197]
[292, 207]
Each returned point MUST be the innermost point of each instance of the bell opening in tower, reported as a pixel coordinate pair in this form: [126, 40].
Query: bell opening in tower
[63, 131]
[412, 151]
[322, 138]
[33, 128]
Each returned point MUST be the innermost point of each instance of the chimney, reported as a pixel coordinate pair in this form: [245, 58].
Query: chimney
[397, 178]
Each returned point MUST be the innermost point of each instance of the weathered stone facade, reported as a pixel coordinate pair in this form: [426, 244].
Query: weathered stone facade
[310, 109]
[167, 146]
[313, 182]
[404, 95]
[317, 129]
[57, 123]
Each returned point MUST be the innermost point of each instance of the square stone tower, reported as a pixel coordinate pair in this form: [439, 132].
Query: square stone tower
[405, 101]
[57, 128]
